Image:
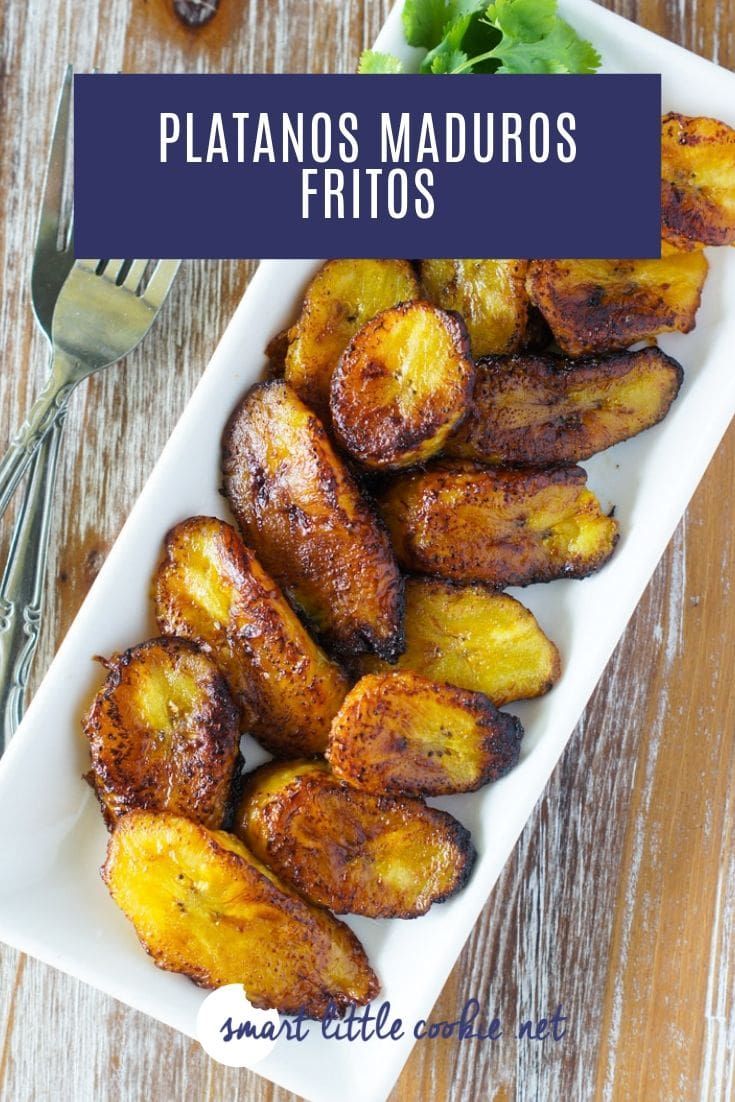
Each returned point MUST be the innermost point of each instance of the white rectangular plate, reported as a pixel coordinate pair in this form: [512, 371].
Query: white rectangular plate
[52, 901]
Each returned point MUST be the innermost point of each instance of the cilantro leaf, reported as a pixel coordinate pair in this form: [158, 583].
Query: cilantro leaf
[480, 37]
[535, 40]
[508, 36]
[438, 59]
[373, 62]
[524, 20]
[467, 35]
[561, 51]
[447, 60]
[424, 21]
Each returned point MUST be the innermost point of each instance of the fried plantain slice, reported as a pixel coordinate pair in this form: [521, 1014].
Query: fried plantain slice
[471, 637]
[399, 732]
[164, 734]
[603, 305]
[402, 384]
[379, 856]
[537, 410]
[470, 523]
[212, 589]
[489, 294]
[697, 181]
[341, 297]
[538, 334]
[276, 350]
[203, 905]
[303, 515]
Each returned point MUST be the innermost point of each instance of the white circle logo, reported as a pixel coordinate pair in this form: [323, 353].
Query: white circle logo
[234, 1032]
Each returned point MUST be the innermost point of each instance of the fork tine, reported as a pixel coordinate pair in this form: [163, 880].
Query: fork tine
[112, 269]
[161, 279]
[51, 205]
[135, 274]
[68, 243]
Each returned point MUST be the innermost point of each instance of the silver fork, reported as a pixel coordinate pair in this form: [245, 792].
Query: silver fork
[102, 311]
[109, 307]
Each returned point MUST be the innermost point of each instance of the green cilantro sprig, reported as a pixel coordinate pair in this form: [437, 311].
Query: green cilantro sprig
[508, 36]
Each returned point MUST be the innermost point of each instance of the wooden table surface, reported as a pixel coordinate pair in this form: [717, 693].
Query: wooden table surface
[619, 900]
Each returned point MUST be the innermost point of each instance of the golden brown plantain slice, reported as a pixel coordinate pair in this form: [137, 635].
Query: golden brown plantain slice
[489, 294]
[379, 856]
[402, 384]
[303, 515]
[212, 589]
[398, 733]
[698, 181]
[602, 305]
[341, 297]
[164, 734]
[203, 905]
[538, 410]
[276, 350]
[471, 637]
[470, 523]
[668, 248]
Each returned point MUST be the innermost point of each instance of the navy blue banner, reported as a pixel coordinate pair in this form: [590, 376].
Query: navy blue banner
[405, 166]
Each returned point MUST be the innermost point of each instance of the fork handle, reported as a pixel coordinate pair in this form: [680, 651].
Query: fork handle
[52, 399]
[21, 588]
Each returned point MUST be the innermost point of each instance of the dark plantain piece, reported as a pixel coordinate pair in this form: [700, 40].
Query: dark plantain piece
[535, 411]
[399, 733]
[602, 305]
[538, 334]
[489, 294]
[164, 734]
[212, 589]
[204, 906]
[401, 385]
[469, 636]
[303, 515]
[341, 297]
[501, 526]
[378, 856]
[698, 181]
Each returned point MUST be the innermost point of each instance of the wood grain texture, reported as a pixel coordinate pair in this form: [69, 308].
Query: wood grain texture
[619, 900]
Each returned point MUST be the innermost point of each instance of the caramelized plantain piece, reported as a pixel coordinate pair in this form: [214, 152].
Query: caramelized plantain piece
[212, 589]
[489, 294]
[538, 334]
[698, 181]
[203, 905]
[602, 305]
[668, 248]
[538, 410]
[399, 733]
[501, 526]
[276, 350]
[402, 384]
[469, 636]
[303, 515]
[164, 734]
[341, 297]
[379, 856]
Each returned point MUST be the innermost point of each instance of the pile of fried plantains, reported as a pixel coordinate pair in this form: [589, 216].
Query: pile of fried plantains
[413, 452]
